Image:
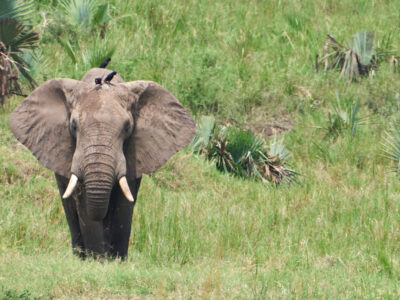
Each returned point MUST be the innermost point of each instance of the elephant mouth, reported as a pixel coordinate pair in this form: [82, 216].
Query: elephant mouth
[123, 183]
[98, 195]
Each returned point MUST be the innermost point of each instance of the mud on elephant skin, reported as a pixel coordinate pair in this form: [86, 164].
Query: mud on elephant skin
[99, 139]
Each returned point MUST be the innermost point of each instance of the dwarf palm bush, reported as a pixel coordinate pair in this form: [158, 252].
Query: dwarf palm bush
[15, 38]
[356, 58]
[391, 148]
[277, 160]
[205, 128]
[79, 12]
[37, 61]
[86, 14]
[344, 116]
[16, 9]
[242, 153]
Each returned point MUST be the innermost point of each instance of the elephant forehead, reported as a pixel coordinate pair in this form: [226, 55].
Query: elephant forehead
[93, 100]
[104, 95]
[103, 106]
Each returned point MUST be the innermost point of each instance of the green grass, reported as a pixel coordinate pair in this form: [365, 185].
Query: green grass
[198, 233]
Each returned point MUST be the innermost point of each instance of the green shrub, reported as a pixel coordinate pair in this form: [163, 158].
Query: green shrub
[357, 58]
[343, 117]
[86, 14]
[16, 37]
[242, 153]
[391, 148]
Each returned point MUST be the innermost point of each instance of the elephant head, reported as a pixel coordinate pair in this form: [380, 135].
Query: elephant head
[101, 134]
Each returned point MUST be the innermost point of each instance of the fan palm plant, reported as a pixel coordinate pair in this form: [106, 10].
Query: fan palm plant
[391, 148]
[16, 9]
[246, 150]
[87, 14]
[205, 128]
[344, 116]
[15, 38]
[356, 58]
[275, 167]
[242, 153]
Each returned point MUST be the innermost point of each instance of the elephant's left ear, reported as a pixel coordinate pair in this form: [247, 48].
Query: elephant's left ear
[41, 123]
[162, 128]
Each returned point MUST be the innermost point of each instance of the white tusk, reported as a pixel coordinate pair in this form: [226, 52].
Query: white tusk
[71, 186]
[125, 189]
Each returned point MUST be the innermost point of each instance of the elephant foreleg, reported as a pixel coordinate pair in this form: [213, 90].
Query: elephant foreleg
[72, 218]
[119, 220]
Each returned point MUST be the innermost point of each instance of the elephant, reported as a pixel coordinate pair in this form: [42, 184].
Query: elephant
[99, 137]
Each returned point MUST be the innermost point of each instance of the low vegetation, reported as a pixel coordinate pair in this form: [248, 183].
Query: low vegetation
[242, 153]
[356, 59]
[199, 232]
[16, 36]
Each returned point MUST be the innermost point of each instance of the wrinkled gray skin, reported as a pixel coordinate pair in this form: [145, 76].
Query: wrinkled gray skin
[101, 133]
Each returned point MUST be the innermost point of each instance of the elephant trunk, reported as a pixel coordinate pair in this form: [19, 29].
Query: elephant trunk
[99, 178]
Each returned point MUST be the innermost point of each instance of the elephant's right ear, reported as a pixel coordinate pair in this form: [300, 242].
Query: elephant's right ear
[41, 123]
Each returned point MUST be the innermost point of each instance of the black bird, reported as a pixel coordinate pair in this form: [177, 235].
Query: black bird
[105, 63]
[97, 80]
[110, 76]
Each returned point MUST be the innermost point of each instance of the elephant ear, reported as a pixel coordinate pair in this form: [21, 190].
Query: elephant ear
[41, 123]
[162, 127]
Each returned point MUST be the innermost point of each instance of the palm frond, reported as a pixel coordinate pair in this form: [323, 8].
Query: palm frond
[98, 52]
[87, 14]
[101, 16]
[36, 61]
[391, 148]
[275, 168]
[23, 68]
[276, 148]
[242, 153]
[10, 29]
[79, 12]
[16, 36]
[69, 50]
[16, 9]
[344, 116]
[356, 58]
[362, 43]
[203, 134]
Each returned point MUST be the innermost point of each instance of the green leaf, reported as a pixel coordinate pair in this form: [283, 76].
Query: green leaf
[23, 68]
[204, 131]
[17, 36]
[101, 15]
[79, 12]
[16, 9]
[362, 43]
[391, 148]
[68, 48]
[98, 52]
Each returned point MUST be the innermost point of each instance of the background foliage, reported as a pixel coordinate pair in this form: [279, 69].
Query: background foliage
[198, 233]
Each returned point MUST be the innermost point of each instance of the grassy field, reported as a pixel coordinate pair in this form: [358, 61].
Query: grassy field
[198, 233]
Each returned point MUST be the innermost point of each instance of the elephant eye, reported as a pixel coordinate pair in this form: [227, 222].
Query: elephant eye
[73, 127]
[127, 126]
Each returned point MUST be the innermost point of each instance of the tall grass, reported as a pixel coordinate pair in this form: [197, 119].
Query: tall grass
[198, 233]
